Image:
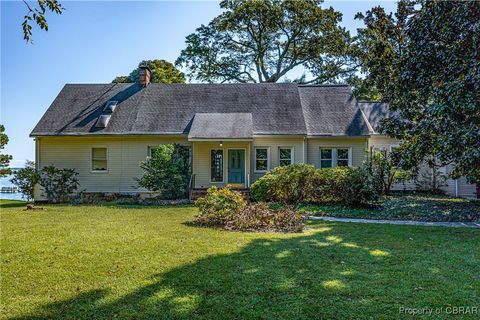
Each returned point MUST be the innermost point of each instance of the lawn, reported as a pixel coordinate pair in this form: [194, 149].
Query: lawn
[407, 207]
[104, 262]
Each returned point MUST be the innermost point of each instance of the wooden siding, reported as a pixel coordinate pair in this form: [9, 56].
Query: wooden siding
[453, 187]
[201, 161]
[124, 154]
[358, 148]
[274, 144]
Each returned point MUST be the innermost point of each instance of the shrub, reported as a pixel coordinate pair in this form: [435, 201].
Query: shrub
[218, 205]
[304, 184]
[226, 208]
[58, 184]
[167, 171]
[26, 179]
[260, 217]
[289, 184]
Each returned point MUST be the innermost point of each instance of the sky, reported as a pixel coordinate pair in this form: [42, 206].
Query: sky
[93, 42]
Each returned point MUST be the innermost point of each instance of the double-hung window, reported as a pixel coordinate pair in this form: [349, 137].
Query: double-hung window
[342, 157]
[261, 159]
[99, 159]
[335, 157]
[216, 165]
[285, 156]
[151, 151]
[326, 157]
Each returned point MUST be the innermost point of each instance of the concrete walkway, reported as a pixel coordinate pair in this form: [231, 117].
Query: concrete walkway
[402, 222]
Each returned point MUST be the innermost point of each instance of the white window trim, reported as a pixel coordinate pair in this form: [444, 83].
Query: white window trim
[210, 165]
[292, 153]
[255, 159]
[320, 157]
[335, 156]
[392, 146]
[91, 160]
[149, 150]
[349, 155]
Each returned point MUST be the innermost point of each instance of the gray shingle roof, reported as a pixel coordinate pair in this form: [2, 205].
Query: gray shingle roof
[276, 109]
[331, 110]
[375, 112]
[221, 126]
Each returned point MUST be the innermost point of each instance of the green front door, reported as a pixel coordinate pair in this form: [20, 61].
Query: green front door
[236, 166]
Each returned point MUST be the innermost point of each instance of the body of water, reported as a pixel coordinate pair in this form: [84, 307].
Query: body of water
[5, 182]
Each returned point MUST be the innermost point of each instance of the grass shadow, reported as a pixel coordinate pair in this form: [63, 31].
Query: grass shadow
[12, 203]
[325, 273]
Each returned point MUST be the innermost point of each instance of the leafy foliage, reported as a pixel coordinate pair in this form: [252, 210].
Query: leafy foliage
[167, 171]
[435, 95]
[218, 205]
[380, 44]
[4, 158]
[58, 184]
[26, 179]
[430, 179]
[161, 72]
[37, 15]
[262, 41]
[302, 183]
[228, 209]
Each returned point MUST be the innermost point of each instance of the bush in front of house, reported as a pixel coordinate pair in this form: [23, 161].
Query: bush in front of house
[289, 184]
[167, 171]
[301, 183]
[25, 179]
[218, 205]
[226, 208]
[58, 184]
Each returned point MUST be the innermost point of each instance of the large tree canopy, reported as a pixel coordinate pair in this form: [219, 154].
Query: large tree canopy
[381, 43]
[437, 92]
[263, 40]
[162, 72]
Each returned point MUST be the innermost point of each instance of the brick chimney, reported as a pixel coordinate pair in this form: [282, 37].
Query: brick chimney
[144, 75]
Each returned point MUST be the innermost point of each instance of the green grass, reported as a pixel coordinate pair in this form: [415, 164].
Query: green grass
[407, 207]
[104, 262]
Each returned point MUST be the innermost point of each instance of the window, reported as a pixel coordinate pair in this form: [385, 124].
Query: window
[285, 156]
[334, 157]
[216, 168]
[342, 157]
[326, 158]
[99, 159]
[151, 151]
[261, 159]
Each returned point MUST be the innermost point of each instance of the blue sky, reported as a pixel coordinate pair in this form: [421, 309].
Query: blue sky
[92, 42]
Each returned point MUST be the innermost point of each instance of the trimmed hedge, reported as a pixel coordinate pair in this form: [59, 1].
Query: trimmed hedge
[302, 183]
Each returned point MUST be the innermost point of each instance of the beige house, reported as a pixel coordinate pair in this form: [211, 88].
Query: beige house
[236, 132]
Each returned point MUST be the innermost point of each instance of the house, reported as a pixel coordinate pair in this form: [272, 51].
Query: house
[374, 112]
[236, 132]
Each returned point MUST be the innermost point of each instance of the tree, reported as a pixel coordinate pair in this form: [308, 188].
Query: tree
[262, 41]
[37, 15]
[58, 184]
[26, 179]
[4, 158]
[380, 44]
[167, 171]
[161, 72]
[436, 94]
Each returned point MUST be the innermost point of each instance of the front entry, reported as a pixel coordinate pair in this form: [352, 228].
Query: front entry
[236, 166]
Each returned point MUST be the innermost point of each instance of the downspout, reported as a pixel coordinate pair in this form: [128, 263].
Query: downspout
[304, 148]
[456, 187]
